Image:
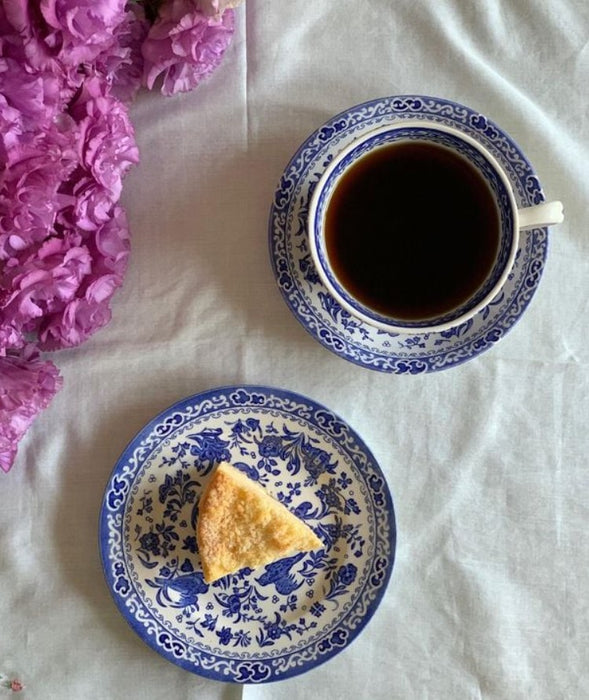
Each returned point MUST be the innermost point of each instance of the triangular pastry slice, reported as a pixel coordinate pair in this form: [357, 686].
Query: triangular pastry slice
[240, 525]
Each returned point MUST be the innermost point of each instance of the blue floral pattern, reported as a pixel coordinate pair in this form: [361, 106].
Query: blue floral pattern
[271, 622]
[324, 318]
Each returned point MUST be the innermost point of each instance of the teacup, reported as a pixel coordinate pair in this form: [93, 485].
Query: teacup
[414, 227]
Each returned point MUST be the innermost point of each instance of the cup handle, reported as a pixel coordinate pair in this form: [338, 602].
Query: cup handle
[541, 215]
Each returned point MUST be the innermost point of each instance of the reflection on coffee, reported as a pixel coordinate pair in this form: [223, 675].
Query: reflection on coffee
[412, 230]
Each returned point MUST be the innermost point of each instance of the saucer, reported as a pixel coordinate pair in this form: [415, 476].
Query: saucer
[323, 317]
[262, 624]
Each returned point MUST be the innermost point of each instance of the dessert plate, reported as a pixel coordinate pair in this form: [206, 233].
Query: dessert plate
[317, 310]
[264, 624]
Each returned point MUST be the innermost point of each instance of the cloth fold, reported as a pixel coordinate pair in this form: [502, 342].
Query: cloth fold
[485, 461]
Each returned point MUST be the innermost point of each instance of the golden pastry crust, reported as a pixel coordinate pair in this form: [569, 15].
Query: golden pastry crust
[240, 525]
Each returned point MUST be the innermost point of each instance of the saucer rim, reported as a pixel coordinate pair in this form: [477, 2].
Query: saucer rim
[527, 191]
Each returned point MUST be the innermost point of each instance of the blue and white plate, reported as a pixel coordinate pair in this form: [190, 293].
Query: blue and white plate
[318, 311]
[264, 624]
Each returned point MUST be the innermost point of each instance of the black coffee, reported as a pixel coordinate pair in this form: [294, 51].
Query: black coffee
[412, 230]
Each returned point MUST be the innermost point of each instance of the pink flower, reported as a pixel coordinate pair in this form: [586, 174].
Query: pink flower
[72, 39]
[78, 320]
[112, 242]
[89, 308]
[16, 686]
[62, 288]
[185, 46]
[92, 203]
[68, 69]
[28, 100]
[81, 29]
[11, 337]
[107, 142]
[30, 188]
[43, 281]
[27, 385]
[31, 41]
[122, 64]
[66, 143]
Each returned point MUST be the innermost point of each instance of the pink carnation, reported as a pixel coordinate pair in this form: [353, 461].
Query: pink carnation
[43, 281]
[11, 336]
[122, 63]
[106, 151]
[62, 288]
[184, 45]
[27, 385]
[64, 247]
[78, 320]
[107, 142]
[30, 188]
[28, 101]
[23, 19]
[82, 28]
[88, 309]
[72, 39]
[68, 68]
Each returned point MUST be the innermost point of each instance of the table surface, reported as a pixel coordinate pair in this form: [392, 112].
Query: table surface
[487, 461]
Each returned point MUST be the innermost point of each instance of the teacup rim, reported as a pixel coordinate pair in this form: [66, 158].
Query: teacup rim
[398, 325]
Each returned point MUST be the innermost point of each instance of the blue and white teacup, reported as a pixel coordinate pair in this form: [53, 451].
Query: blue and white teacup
[511, 221]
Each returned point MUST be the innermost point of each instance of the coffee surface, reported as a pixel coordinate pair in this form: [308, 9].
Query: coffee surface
[412, 230]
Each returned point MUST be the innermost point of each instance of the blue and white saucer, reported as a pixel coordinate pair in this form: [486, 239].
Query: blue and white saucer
[309, 299]
[258, 625]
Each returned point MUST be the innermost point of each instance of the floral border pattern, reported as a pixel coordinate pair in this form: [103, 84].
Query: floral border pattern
[261, 625]
[324, 318]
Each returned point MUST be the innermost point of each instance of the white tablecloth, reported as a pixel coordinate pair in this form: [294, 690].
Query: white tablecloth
[487, 462]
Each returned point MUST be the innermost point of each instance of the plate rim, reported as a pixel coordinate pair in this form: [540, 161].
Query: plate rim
[140, 630]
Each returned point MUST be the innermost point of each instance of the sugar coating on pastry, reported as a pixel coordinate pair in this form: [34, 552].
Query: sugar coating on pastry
[240, 524]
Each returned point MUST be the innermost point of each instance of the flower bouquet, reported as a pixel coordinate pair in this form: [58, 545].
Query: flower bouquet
[69, 71]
